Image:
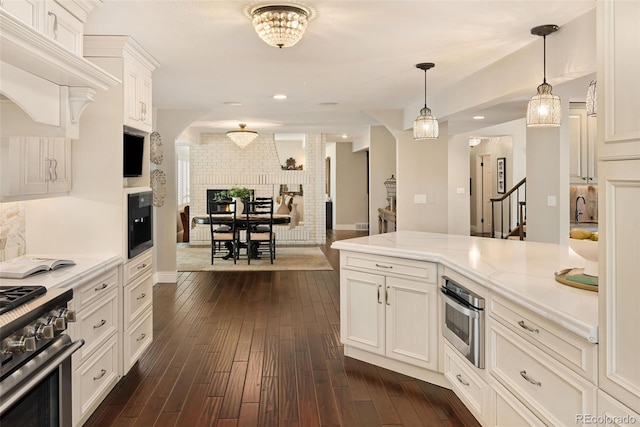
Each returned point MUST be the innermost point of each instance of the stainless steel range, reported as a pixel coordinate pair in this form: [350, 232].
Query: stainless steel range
[35, 376]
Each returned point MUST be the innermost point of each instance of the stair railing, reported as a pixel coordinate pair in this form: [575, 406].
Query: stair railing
[519, 194]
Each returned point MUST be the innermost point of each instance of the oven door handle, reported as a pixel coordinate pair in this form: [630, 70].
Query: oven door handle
[18, 384]
[456, 305]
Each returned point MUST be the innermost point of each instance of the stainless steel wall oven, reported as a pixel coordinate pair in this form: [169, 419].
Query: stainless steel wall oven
[463, 324]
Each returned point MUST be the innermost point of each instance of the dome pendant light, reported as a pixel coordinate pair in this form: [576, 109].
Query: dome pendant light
[425, 126]
[544, 109]
[242, 137]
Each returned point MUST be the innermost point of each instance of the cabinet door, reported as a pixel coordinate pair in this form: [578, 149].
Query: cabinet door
[362, 310]
[411, 322]
[58, 165]
[132, 104]
[64, 28]
[577, 141]
[34, 166]
[145, 99]
[27, 11]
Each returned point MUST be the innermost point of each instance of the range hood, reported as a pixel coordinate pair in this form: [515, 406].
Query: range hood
[50, 83]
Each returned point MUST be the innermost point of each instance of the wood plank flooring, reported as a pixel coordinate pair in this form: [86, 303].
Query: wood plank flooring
[263, 349]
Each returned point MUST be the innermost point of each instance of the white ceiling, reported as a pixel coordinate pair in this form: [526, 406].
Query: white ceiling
[359, 54]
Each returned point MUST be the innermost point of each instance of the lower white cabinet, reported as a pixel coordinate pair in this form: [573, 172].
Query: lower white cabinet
[466, 384]
[394, 314]
[137, 338]
[612, 413]
[507, 411]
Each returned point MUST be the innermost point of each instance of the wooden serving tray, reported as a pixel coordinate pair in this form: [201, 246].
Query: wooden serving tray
[561, 277]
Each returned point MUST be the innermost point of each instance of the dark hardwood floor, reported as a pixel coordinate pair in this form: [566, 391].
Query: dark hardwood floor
[263, 349]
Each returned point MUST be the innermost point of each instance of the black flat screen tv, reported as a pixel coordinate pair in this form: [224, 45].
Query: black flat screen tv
[132, 155]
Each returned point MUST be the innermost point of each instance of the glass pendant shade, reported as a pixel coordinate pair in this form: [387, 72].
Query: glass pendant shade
[474, 141]
[280, 26]
[592, 99]
[544, 108]
[242, 137]
[425, 126]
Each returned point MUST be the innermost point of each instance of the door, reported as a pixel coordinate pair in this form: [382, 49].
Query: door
[412, 322]
[485, 192]
[362, 302]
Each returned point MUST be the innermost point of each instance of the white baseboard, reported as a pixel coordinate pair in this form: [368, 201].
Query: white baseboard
[354, 227]
[165, 277]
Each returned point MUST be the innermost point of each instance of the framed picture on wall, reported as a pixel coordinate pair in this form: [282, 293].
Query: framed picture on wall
[501, 174]
[327, 171]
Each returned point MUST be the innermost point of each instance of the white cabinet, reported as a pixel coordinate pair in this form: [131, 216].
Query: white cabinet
[618, 200]
[63, 27]
[465, 382]
[507, 411]
[389, 307]
[26, 11]
[137, 94]
[34, 167]
[612, 413]
[582, 142]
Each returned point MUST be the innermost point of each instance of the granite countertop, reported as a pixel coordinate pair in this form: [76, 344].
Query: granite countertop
[520, 271]
[86, 268]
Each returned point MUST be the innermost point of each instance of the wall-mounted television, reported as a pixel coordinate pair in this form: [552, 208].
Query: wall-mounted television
[133, 155]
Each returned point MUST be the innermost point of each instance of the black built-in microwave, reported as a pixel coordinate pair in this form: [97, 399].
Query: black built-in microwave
[139, 222]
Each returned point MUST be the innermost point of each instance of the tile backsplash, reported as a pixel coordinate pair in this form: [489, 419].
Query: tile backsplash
[13, 234]
[588, 209]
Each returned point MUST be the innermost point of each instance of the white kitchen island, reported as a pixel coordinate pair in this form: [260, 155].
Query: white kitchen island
[539, 339]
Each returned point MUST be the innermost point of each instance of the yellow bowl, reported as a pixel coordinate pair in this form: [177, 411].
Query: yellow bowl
[587, 249]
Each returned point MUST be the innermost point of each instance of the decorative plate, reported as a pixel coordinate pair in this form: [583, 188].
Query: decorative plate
[159, 187]
[156, 148]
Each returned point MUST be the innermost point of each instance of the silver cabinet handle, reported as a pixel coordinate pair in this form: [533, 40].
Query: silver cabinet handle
[379, 286]
[104, 285]
[463, 382]
[142, 295]
[100, 325]
[386, 295]
[53, 170]
[100, 375]
[528, 328]
[48, 168]
[55, 24]
[384, 266]
[141, 266]
[142, 336]
[531, 380]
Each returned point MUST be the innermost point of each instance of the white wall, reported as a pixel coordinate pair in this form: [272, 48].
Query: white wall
[458, 186]
[382, 164]
[351, 199]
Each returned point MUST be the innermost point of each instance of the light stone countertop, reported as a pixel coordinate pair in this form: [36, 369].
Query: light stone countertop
[86, 268]
[520, 271]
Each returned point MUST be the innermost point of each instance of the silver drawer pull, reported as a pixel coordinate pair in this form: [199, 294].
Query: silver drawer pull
[141, 266]
[528, 328]
[142, 295]
[386, 295]
[531, 380]
[99, 288]
[100, 325]
[142, 336]
[384, 266]
[100, 375]
[463, 382]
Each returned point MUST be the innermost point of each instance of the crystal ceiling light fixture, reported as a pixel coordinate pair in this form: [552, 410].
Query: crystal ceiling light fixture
[280, 25]
[425, 126]
[242, 137]
[592, 99]
[473, 141]
[544, 109]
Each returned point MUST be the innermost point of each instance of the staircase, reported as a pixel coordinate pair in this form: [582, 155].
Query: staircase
[514, 199]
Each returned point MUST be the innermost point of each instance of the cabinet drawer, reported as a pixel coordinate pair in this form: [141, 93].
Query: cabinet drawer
[550, 389]
[506, 410]
[423, 270]
[137, 266]
[137, 339]
[93, 380]
[137, 297]
[86, 294]
[614, 413]
[465, 383]
[574, 352]
[95, 324]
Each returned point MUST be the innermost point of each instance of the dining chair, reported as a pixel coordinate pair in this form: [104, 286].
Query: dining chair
[222, 223]
[259, 228]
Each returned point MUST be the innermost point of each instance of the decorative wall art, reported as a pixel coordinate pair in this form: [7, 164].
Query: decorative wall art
[501, 174]
[155, 148]
[159, 187]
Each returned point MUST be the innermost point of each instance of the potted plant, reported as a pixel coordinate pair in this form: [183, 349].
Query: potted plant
[240, 194]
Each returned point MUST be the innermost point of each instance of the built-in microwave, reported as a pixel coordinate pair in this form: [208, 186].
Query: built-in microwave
[139, 222]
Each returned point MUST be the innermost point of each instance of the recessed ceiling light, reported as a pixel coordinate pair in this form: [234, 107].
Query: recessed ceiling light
[478, 117]
[280, 96]
[327, 103]
[233, 103]
[344, 136]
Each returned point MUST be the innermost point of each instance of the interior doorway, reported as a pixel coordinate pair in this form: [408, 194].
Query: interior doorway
[484, 179]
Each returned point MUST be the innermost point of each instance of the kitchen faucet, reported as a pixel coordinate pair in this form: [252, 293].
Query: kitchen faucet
[577, 212]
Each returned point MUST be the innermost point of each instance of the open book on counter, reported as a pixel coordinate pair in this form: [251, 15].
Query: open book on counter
[19, 268]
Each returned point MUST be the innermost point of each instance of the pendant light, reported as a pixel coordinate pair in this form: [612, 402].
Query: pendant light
[592, 99]
[544, 109]
[425, 126]
[242, 137]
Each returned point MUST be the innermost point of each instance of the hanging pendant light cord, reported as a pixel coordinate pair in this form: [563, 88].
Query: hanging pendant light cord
[544, 59]
[425, 88]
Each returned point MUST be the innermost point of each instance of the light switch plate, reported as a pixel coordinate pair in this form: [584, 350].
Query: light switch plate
[419, 198]
[460, 190]
[551, 200]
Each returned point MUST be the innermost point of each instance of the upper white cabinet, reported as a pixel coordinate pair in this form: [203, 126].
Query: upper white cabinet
[35, 167]
[618, 199]
[135, 67]
[582, 146]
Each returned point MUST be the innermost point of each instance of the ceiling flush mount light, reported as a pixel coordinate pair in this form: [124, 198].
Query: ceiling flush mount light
[280, 25]
[473, 141]
[242, 137]
[478, 117]
[592, 99]
[280, 96]
[425, 126]
[544, 107]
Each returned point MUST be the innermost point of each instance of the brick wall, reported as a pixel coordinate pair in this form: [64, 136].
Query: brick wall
[219, 163]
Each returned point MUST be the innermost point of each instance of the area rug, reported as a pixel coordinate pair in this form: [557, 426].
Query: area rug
[287, 258]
